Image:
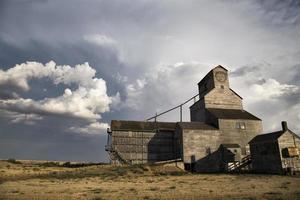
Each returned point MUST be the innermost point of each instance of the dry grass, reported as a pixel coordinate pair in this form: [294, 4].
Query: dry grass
[37, 180]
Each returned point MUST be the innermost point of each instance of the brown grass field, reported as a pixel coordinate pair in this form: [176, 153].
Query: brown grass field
[48, 180]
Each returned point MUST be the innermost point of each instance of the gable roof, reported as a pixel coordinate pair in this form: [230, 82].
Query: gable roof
[231, 114]
[196, 126]
[267, 137]
[210, 73]
[220, 66]
[236, 93]
[271, 136]
[141, 125]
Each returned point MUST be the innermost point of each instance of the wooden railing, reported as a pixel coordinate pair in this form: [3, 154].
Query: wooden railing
[238, 165]
[114, 155]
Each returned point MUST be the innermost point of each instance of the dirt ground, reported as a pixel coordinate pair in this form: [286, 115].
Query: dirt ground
[48, 180]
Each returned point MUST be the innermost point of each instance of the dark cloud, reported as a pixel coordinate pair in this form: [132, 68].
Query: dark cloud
[280, 12]
[43, 141]
[104, 60]
[7, 94]
[153, 53]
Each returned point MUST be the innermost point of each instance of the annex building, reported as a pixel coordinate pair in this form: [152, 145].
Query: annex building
[217, 138]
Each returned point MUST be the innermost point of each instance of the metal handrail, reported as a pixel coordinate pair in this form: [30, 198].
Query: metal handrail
[179, 106]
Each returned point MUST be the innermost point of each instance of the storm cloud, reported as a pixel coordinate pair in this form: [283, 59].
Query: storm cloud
[69, 67]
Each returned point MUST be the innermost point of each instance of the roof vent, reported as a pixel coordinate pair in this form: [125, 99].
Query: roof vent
[284, 125]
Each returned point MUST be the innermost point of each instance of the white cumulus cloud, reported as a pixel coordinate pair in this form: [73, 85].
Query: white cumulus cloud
[87, 101]
[28, 119]
[93, 128]
[271, 88]
[19, 75]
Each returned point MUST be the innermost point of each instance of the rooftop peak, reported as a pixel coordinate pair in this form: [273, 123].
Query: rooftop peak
[220, 66]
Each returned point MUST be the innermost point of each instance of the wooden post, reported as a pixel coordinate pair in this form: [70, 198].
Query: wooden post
[142, 147]
[181, 113]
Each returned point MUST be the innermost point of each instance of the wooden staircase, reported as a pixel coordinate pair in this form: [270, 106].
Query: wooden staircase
[115, 156]
[239, 166]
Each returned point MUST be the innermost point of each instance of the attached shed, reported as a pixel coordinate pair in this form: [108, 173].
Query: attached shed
[276, 152]
[141, 142]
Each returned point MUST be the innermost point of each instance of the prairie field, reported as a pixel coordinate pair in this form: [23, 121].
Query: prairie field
[57, 180]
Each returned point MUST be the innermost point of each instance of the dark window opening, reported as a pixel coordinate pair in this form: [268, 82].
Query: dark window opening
[189, 167]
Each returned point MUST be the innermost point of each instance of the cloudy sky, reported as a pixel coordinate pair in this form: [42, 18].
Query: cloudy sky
[69, 67]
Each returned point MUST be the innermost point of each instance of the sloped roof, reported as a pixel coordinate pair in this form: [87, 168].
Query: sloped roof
[271, 136]
[267, 137]
[210, 73]
[236, 93]
[141, 125]
[196, 126]
[231, 114]
[220, 66]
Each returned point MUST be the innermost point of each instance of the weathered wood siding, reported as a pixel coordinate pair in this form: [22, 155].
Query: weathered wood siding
[266, 157]
[142, 147]
[178, 142]
[222, 98]
[288, 139]
[230, 134]
[196, 142]
[209, 82]
[197, 111]
[217, 93]
[218, 83]
[206, 84]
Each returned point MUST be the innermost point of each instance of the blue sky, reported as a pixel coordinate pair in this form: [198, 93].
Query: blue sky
[69, 67]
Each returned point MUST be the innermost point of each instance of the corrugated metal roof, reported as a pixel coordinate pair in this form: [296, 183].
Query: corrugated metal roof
[196, 126]
[231, 114]
[141, 125]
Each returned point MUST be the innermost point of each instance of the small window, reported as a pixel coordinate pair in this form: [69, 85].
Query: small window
[240, 125]
[290, 152]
